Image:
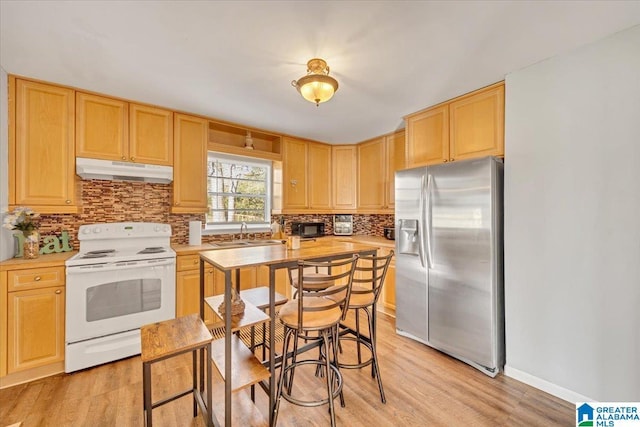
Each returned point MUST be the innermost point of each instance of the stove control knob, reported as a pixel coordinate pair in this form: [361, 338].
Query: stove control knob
[156, 228]
[86, 230]
[166, 228]
[97, 230]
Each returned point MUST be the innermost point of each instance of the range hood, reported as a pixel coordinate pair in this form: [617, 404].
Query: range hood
[122, 171]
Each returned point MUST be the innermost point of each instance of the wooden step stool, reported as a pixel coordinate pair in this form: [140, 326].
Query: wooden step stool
[171, 338]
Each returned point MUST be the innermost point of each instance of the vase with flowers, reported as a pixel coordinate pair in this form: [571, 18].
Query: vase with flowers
[26, 220]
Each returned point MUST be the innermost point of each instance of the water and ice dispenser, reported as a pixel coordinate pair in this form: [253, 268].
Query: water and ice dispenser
[408, 238]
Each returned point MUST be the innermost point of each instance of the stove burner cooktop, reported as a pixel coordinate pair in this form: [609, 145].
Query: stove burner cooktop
[152, 250]
[98, 254]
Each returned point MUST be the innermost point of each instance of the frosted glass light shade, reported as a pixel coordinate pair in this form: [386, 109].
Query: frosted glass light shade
[317, 86]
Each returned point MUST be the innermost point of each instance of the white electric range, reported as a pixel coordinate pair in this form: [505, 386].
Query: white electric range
[122, 278]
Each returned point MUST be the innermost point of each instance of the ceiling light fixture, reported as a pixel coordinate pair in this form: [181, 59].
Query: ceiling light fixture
[317, 86]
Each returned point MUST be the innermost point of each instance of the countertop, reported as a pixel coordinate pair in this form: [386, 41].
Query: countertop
[248, 256]
[49, 260]
[370, 240]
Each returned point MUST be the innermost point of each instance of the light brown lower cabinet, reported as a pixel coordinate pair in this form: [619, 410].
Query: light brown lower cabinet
[188, 287]
[388, 298]
[35, 332]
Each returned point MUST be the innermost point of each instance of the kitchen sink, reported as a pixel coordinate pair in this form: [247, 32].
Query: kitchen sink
[265, 242]
[243, 243]
[229, 244]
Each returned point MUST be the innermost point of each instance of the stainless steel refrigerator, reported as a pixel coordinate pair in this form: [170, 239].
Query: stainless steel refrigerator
[449, 251]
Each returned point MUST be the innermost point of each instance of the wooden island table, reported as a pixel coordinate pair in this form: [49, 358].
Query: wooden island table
[237, 365]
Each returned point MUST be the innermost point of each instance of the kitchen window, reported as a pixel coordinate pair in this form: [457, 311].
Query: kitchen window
[239, 190]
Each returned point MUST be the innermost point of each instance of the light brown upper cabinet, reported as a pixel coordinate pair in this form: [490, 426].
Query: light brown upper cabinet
[428, 137]
[41, 147]
[189, 164]
[294, 174]
[372, 174]
[345, 175]
[150, 135]
[101, 127]
[465, 127]
[112, 129]
[395, 144]
[319, 183]
[306, 176]
[378, 160]
[477, 124]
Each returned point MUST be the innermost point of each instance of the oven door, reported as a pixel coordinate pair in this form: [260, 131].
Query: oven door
[105, 299]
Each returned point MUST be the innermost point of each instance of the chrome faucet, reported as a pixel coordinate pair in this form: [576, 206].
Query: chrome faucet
[246, 229]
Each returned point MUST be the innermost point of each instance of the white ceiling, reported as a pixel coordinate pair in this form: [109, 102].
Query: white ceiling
[235, 60]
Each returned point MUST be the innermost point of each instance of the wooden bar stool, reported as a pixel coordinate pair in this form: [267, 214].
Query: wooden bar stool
[313, 311]
[367, 286]
[171, 338]
[319, 278]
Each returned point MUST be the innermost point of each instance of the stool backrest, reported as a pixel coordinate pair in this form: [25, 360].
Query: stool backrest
[370, 274]
[340, 272]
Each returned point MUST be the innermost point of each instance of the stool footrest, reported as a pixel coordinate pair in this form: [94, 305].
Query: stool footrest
[171, 398]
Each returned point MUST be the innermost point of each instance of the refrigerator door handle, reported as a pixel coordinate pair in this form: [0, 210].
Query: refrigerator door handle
[421, 223]
[427, 222]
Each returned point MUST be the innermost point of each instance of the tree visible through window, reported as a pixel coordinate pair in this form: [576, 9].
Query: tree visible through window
[239, 190]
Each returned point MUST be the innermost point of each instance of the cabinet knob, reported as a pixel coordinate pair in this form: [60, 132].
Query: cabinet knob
[177, 203]
[37, 278]
[58, 291]
[195, 261]
[133, 159]
[446, 160]
[68, 202]
[124, 157]
[452, 159]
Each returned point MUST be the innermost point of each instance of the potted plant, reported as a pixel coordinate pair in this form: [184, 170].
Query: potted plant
[27, 221]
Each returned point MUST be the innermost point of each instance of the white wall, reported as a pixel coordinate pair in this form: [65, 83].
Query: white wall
[6, 239]
[572, 222]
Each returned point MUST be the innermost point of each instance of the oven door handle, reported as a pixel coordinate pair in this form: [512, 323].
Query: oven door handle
[122, 265]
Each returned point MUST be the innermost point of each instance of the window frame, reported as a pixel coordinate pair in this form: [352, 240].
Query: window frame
[234, 227]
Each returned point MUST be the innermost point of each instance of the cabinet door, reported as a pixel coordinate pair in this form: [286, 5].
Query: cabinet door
[428, 137]
[477, 124]
[319, 186]
[247, 279]
[101, 127]
[188, 293]
[395, 162]
[283, 287]
[189, 164]
[294, 174]
[344, 164]
[371, 174]
[44, 148]
[150, 135]
[35, 328]
[3, 323]
[389, 288]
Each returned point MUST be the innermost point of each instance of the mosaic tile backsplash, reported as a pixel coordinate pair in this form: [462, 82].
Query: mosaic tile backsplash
[124, 201]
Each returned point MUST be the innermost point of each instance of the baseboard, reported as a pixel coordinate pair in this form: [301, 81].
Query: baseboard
[31, 374]
[546, 386]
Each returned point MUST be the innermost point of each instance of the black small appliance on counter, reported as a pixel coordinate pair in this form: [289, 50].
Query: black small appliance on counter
[307, 229]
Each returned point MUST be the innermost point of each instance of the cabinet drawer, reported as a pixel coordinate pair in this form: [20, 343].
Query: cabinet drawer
[187, 262]
[20, 280]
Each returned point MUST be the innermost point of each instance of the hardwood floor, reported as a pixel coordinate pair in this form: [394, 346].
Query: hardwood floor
[422, 386]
